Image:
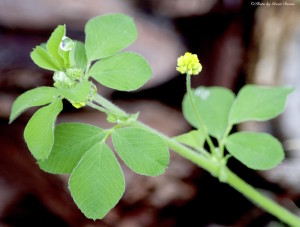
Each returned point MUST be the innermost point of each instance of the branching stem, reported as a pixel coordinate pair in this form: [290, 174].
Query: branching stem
[212, 167]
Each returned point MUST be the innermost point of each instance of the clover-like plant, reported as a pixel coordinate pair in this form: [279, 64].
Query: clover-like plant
[97, 182]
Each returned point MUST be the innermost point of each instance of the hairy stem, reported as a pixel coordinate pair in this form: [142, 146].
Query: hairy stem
[110, 106]
[212, 167]
[98, 107]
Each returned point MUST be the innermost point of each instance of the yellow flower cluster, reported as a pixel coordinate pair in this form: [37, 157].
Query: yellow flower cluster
[189, 64]
[78, 105]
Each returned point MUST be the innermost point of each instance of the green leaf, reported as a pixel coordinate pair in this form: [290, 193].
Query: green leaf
[79, 93]
[65, 55]
[39, 130]
[78, 56]
[258, 103]
[107, 35]
[71, 141]
[259, 151]
[44, 60]
[54, 42]
[97, 182]
[124, 72]
[212, 105]
[194, 139]
[142, 151]
[35, 97]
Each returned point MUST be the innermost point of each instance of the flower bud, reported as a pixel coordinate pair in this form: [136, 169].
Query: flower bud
[61, 80]
[74, 73]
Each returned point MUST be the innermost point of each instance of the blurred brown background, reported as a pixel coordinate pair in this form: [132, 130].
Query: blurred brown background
[237, 42]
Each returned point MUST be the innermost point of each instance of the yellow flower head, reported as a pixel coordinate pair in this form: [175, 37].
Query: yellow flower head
[189, 64]
[78, 105]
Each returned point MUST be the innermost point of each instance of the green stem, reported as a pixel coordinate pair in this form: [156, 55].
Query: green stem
[202, 128]
[262, 201]
[204, 158]
[87, 70]
[212, 167]
[222, 142]
[109, 131]
[204, 152]
[108, 105]
[104, 110]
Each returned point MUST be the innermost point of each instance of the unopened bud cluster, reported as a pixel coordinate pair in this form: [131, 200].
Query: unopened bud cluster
[67, 79]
